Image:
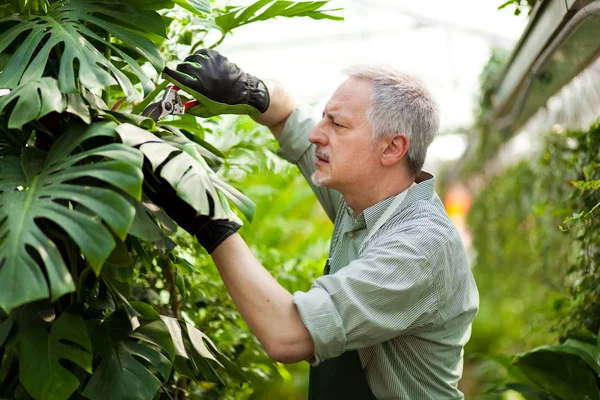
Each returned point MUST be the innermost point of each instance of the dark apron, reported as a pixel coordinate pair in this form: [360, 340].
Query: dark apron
[340, 378]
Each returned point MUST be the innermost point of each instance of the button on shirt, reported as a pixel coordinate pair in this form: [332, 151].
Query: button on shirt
[405, 298]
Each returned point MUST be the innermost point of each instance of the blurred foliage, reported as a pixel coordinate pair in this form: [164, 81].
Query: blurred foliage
[483, 142]
[536, 236]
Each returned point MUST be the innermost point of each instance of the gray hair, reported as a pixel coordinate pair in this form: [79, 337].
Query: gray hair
[400, 103]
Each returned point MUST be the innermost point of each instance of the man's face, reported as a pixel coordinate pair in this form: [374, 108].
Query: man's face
[346, 158]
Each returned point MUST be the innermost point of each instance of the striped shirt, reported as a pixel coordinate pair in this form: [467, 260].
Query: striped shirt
[405, 298]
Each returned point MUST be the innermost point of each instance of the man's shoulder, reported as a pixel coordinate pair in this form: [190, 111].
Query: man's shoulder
[425, 223]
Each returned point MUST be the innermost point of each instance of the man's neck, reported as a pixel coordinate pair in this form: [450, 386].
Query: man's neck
[361, 199]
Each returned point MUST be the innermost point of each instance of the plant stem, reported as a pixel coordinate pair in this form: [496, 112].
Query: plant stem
[169, 274]
[199, 43]
[71, 252]
[144, 103]
[219, 42]
[107, 54]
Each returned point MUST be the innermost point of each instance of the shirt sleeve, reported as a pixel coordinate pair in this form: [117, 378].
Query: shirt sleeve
[388, 291]
[295, 148]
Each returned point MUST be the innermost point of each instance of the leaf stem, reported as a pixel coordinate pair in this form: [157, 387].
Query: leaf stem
[219, 41]
[169, 275]
[144, 103]
[199, 43]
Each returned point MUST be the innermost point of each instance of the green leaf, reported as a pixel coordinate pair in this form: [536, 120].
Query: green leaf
[154, 5]
[40, 352]
[145, 311]
[562, 375]
[120, 376]
[227, 364]
[77, 106]
[176, 335]
[132, 314]
[512, 370]
[240, 16]
[34, 99]
[137, 120]
[153, 357]
[183, 366]
[70, 25]
[39, 186]
[587, 352]
[587, 185]
[245, 205]
[185, 121]
[181, 137]
[242, 202]
[189, 176]
[120, 255]
[198, 341]
[184, 266]
[180, 283]
[506, 4]
[141, 106]
[142, 254]
[6, 363]
[12, 141]
[145, 227]
[157, 333]
[5, 328]
[202, 349]
[195, 6]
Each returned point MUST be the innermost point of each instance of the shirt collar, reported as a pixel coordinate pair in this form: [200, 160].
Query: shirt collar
[423, 190]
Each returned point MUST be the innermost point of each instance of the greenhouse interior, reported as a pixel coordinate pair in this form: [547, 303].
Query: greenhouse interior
[289, 200]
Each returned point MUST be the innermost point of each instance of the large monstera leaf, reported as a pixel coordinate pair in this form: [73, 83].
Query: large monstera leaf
[70, 28]
[188, 173]
[70, 187]
[40, 355]
[37, 98]
[128, 356]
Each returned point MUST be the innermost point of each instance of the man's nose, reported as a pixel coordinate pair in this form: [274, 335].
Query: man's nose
[317, 136]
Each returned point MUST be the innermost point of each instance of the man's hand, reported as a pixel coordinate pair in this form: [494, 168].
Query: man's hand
[209, 232]
[220, 86]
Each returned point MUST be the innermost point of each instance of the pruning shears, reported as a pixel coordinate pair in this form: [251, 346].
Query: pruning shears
[171, 103]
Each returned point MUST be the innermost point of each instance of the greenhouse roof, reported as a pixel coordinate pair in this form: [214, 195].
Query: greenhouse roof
[445, 43]
[561, 39]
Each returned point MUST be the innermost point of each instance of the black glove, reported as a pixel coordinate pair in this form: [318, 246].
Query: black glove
[209, 232]
[220, 86]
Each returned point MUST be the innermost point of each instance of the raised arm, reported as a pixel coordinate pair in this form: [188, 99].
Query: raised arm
[221, 87]
[281, 106]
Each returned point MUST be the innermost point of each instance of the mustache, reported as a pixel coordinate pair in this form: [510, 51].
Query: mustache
[320, 152]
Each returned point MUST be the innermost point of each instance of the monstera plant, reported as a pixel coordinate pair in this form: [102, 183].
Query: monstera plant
[75, 225]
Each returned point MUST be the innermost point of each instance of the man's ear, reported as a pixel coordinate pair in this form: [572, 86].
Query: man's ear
[395, 150]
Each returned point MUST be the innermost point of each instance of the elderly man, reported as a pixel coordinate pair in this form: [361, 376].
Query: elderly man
[391, 314]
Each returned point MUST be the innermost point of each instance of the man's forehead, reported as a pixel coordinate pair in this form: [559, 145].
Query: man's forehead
[351, 96]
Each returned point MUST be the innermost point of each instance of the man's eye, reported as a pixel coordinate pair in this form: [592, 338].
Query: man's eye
[337, 125]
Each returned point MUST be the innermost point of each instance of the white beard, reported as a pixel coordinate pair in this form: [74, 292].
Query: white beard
[318, 181]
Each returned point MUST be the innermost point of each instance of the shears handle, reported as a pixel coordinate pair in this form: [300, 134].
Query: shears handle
[189, 104]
